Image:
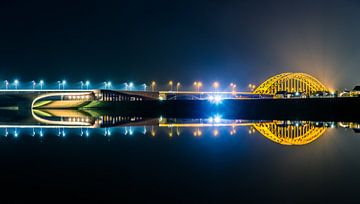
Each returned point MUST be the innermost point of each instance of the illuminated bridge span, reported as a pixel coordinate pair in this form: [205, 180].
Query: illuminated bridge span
[291, 82]
[292, 134]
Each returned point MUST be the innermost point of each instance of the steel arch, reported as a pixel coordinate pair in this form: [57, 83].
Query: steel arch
[290, 82]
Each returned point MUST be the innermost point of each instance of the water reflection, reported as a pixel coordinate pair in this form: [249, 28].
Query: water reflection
[85, 122]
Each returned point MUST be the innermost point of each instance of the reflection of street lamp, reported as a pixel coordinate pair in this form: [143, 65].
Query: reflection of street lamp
[153, 84]
[171, 85]
[216, 85]
[178, 86]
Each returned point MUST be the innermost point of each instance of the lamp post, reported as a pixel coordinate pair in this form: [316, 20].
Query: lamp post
[216, 86]
[131, 85]
[178, 86]
[6, 84]
[252, 87]
[144, 87]
[171, 85]
[33, 84]
[41, 84]
[63, 84]
[16, 83]
[81, 85]
[233, 86]
[153, 84]
[87, 83]
[59, 82]
[197, 85]
[126, 86]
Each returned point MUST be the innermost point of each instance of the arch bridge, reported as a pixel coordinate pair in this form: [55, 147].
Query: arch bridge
[291, 82]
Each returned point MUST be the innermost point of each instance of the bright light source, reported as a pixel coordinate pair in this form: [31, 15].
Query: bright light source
[217, 118]
[215, 99]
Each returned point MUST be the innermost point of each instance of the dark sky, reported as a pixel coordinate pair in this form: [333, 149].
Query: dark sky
[229, 41]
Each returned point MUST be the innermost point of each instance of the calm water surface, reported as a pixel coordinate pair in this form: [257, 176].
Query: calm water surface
[208, 160]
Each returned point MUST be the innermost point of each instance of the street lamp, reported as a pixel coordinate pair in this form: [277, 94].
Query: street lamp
[131, 85]
[63, 84]
[233, 86]
[81, 85]
[126, 86]
[197, 85]
[216, 85]
[59, 82]
[177, 86]
[87, 83]
[41, 84]
[33, 84]
[153, 84]
[252, 87]
[6, 84]
[16, 83]
[171, 85]
[144, 87]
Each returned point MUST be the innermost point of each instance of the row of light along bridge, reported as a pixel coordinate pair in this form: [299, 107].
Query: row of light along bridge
[285, 84]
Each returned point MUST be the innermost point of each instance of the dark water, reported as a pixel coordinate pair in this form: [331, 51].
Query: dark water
[218, 162]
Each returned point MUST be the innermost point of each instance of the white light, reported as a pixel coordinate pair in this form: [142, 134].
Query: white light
[217, 99]
[131, 84]
[217, 119]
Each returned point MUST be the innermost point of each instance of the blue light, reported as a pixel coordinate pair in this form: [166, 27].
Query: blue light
[216, 99]
[215, 119]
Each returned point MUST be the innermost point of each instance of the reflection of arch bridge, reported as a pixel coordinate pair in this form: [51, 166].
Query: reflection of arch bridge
[290, 134]
[281, 132]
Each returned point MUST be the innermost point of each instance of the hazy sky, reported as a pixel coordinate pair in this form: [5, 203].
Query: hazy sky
[229, 41]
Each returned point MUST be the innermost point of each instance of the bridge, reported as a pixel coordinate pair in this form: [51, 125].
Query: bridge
[285, 82]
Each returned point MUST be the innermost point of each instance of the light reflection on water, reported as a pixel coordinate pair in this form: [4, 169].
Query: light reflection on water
[203, 159]
[85, 124]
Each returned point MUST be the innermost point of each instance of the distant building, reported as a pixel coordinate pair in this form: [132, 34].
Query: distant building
[355, 91]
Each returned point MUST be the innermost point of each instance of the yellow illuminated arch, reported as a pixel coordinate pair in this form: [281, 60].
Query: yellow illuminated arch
[290, 82]
[290, 135]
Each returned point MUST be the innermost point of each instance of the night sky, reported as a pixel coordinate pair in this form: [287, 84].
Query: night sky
[229, 41]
